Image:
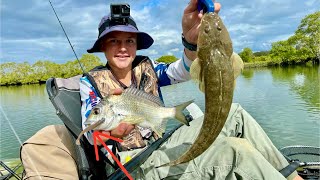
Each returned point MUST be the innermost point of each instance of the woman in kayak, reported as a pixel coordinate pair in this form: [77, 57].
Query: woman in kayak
[241, 151]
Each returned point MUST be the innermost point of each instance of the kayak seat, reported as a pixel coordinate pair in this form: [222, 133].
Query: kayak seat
[65, 97]
[64, 94]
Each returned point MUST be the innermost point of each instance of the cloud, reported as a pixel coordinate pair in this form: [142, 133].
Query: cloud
[175, 50]
[30, 31]
[281, 37]
[152, 52]
[311, 2]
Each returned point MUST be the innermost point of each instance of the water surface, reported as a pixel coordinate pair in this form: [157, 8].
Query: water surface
[284, 101]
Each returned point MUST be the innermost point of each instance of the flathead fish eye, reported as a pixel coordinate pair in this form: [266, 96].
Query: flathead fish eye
[217, 25]
[96, 111]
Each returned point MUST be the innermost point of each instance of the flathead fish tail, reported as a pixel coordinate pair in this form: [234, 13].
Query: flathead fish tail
[89, 128]
[179, 115]
[160, 128]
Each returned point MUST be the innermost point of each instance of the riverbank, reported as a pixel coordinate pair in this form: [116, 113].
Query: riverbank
[13, 78]
[256, 64]
[259, 64]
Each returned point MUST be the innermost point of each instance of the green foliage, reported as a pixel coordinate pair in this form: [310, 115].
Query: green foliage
[304, 45]
[308, 34]
[261, 53]
[246, 55]
[282, 51]
[167, 59]
[262, 58]
[89, 61]
[300, 48]
[24, 73]
[7, 73]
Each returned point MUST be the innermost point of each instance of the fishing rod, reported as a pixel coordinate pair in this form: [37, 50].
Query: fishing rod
[67, 38]
[90, 78]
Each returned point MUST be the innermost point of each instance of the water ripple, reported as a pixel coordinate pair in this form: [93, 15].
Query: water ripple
[286, 105]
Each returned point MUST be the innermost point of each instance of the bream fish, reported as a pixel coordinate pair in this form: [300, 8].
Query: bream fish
[213, 70]
[135, 107]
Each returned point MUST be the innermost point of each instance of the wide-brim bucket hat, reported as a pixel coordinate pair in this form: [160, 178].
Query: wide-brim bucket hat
[144, 40]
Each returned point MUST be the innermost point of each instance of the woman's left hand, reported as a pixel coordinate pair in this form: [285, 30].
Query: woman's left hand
[191, 21]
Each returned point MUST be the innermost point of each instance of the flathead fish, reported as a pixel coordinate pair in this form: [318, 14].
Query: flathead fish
[133, 106]
[213, 70]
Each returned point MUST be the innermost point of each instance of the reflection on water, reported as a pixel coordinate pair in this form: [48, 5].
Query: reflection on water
[303, 80]
[28, 109]
[248, 73]
[284, 101]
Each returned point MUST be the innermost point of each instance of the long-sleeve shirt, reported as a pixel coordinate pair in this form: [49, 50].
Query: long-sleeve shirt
[168, 74]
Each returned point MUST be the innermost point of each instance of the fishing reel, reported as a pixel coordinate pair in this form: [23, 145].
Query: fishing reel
[120, 14]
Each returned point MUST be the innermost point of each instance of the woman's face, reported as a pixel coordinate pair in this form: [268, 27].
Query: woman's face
[120, 49]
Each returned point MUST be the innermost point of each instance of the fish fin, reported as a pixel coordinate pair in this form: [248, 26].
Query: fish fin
[144, 95]
[89, 128]
[159, 126]
[195, 72]
[179, 115]
[133, 119]
[237, 64]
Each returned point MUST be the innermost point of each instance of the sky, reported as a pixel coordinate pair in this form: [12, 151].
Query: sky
[30, 31]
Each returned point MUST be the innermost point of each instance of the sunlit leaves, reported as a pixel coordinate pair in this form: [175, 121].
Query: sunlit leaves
[247, 55]
[24, 73]
[167, 59]
[300, 48]
[308, 35]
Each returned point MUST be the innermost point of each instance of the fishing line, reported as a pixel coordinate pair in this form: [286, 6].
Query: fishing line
[19, 140]
[67, 38]
[90, 78]
[14, 132]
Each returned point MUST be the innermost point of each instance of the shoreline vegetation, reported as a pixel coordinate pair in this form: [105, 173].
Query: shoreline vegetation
[299, 49]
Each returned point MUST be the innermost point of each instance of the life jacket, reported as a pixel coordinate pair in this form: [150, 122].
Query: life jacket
[144, 78]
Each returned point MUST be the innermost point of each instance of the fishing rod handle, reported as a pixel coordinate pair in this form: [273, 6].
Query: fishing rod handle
[290, 168]
[206, 6]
